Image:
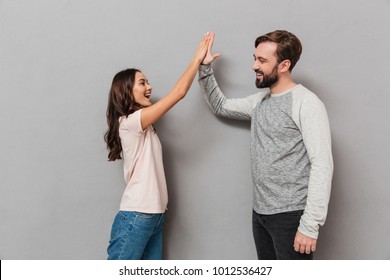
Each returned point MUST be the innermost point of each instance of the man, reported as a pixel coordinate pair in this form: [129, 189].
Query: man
[291, 156]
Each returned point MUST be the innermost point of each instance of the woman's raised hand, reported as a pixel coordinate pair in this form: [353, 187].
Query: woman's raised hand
[209, 57]
[203, 47]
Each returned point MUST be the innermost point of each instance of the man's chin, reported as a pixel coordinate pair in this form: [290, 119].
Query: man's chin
[259, 84]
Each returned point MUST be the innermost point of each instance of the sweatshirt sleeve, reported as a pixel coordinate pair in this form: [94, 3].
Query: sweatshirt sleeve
[312, 120]
[232, 108]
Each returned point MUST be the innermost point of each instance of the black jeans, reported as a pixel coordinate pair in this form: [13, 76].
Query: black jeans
[274, 236]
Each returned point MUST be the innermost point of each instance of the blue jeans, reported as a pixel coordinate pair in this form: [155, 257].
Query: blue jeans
[274, 236]
[136, 236]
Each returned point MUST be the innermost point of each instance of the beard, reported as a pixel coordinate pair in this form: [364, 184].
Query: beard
[268, 80]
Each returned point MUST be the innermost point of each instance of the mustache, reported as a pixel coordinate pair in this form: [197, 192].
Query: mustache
[259, 72]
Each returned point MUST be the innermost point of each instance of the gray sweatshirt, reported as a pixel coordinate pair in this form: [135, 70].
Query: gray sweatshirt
[291, 156]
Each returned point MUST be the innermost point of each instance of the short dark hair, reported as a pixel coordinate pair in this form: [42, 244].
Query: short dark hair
[289, 47]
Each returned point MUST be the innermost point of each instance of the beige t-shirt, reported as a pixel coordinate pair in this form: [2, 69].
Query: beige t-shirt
[146, 189]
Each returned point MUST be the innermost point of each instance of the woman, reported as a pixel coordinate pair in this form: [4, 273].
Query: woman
[137, 228]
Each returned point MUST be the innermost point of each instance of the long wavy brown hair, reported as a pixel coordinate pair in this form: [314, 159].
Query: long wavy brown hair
[120, 103]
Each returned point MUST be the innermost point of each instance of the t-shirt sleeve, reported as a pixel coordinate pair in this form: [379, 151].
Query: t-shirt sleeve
[133, 122]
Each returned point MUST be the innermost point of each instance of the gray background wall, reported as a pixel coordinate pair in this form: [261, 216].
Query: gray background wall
[58, 194]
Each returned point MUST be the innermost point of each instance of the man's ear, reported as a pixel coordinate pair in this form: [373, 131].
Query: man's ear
[284, 66]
